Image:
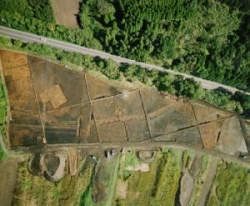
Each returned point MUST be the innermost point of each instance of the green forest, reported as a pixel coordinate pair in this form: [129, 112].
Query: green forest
[206, 38]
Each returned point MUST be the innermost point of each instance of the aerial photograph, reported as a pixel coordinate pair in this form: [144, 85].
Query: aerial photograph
[124, 102]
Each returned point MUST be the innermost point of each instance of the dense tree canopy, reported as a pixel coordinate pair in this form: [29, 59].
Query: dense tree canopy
[207, 38]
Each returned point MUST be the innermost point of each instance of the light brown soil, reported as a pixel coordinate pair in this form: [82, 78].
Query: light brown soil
[12, 59]
[210, 133]
[121, 189]
[54, 95]
[112, 132]
[73, 161]
[206, 113]
[99, 88]
[8, 169]
[65, 12]
[231, 140]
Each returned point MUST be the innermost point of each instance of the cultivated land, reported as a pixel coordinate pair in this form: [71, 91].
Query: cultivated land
[114, 143]
[65, 12]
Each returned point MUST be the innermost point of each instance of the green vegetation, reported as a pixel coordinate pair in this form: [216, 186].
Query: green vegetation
[3, 113]
[3, 107]
[86, 198]
[231, 186]
[2, 154]
[129, 159]
[29, 9]
[42, 192]
[105, 181]
[207, 38]
[157, 186]
[103, 184]
[200, 179]
[164, 82]
[36, 16]
[167, 178]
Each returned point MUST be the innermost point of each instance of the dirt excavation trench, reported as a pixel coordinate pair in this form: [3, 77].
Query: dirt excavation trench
[50, 104]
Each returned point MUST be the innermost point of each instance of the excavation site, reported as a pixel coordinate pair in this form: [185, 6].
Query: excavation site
[87, 137]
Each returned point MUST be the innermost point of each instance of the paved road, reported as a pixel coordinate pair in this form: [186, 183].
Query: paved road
[28, 37]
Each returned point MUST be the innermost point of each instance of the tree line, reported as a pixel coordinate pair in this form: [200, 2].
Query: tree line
[208, 38]
[166, 83]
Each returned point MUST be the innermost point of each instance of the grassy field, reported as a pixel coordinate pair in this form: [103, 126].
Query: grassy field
[114, 183]
[3, 105]
[2, 154]
[36, 190]
[231, 186]
[3, 112]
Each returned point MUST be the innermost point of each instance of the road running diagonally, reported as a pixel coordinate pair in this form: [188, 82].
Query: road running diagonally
[33, 38]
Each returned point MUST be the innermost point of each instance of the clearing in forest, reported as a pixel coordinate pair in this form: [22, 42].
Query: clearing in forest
[65, 12]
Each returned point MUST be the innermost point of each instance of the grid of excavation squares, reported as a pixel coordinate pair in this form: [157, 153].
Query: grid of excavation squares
[121, 118]
[59, 105]
[170, 119]
[52, 103]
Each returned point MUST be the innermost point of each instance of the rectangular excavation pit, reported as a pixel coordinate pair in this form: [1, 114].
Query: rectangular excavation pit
[25, 135]
[105, 110]
[172, 118]
[57, 86]
[112, 132]
[137, 130]
[25, 118]
[189, 136]
[60, 135]
[20, 89]
[11, 59]
[100, 89]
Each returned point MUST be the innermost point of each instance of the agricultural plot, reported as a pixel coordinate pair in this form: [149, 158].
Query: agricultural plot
[52, 104]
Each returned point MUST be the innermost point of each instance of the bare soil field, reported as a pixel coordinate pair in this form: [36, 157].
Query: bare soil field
[8, 171]
[65, 12]
[210, 133]
[52, 104]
